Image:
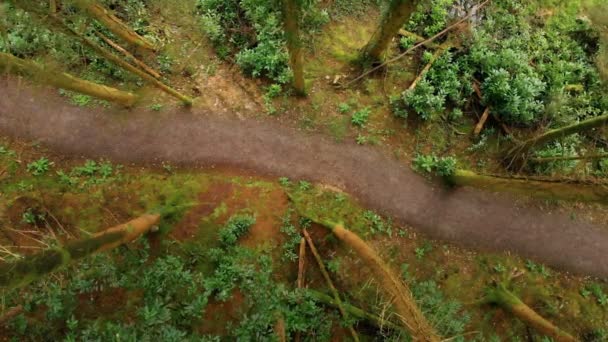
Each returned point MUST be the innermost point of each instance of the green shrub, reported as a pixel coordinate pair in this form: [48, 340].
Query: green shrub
[360, 117]
[39, 167]
[443, 167]
[236, 227]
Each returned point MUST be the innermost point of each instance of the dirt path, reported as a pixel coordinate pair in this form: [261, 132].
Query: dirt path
[467, 217]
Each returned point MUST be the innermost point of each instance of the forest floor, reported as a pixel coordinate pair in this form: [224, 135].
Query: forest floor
[561, 238]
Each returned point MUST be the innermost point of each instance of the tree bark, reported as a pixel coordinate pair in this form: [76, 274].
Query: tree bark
[535, 188]
[330, 283]
[508, 301]
[113, 24]
[62, 80]
[291, 16]
[23, 271]
[392, 21]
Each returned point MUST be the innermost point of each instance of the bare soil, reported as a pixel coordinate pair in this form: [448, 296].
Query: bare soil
[195, 138]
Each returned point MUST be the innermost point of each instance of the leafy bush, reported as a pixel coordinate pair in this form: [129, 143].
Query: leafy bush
[251, 32]
[444, 166]
[360, 117]
[39, 167]
[236, 227]
[430, 17]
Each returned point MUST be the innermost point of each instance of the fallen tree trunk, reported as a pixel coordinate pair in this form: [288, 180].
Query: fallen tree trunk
[330, 283]
[41, 74]
[129, 56]
[23, 271]
[356, 312]
[558, 158]
[522, 150]
[505, 299]
[57, 22]
[405, 306]
[534, 188]
[112, 23]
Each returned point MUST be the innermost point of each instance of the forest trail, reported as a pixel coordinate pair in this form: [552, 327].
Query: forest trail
[467, 217]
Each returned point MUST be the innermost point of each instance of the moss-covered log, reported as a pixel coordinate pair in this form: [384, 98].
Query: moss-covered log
[356, 312]
[405, 306]
[23, 271]
[112, 23]
[291, 15]
[42, 74]
[393, 19]
[502, 297]
[129, 56]
[535, 188]
[521, 151]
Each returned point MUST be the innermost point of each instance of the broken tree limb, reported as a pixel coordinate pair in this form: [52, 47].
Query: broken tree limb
[329, 282]
[129, 56]
[534, 188]
[440, 51]
[482, 122]
[112, 23]
[52, 6]
[279, 328]
[356, 312]
[505, 299]
[302, 263]
[44, 75]
[23, 271]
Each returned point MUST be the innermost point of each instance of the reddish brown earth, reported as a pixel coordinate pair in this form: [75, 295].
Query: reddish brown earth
[468, 217]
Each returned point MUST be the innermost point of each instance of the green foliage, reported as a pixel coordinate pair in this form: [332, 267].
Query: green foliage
[446, 84]
[293, 237]
[344, 108]
[443, 167]
[360, 117]
[596, 290]
[236, 227]
[40, 166]
[377, 225]
[251, 32]
[540, 269]
[91, 173]
[304, 185]
[430, 17]
[446, 315]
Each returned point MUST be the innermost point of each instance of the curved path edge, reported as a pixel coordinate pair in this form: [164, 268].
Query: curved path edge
[467, 217]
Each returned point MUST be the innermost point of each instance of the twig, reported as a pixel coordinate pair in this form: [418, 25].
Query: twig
[443, 48]
[440, 34]
[330, 283]
[550, 159]
[482, 122]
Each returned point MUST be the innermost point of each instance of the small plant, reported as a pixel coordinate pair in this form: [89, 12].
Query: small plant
[167, 167]
[344, 108]
[420, 252]
[333, 265]
[361, 139]
[443, 167]
[360, 117]
[304, 185]
[284, 181]
[598, 293]
[29, 217]
[156, 107]
[39, 167]
[499, 268]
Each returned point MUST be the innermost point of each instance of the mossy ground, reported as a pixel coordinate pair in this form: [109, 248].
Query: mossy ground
[196, 204]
